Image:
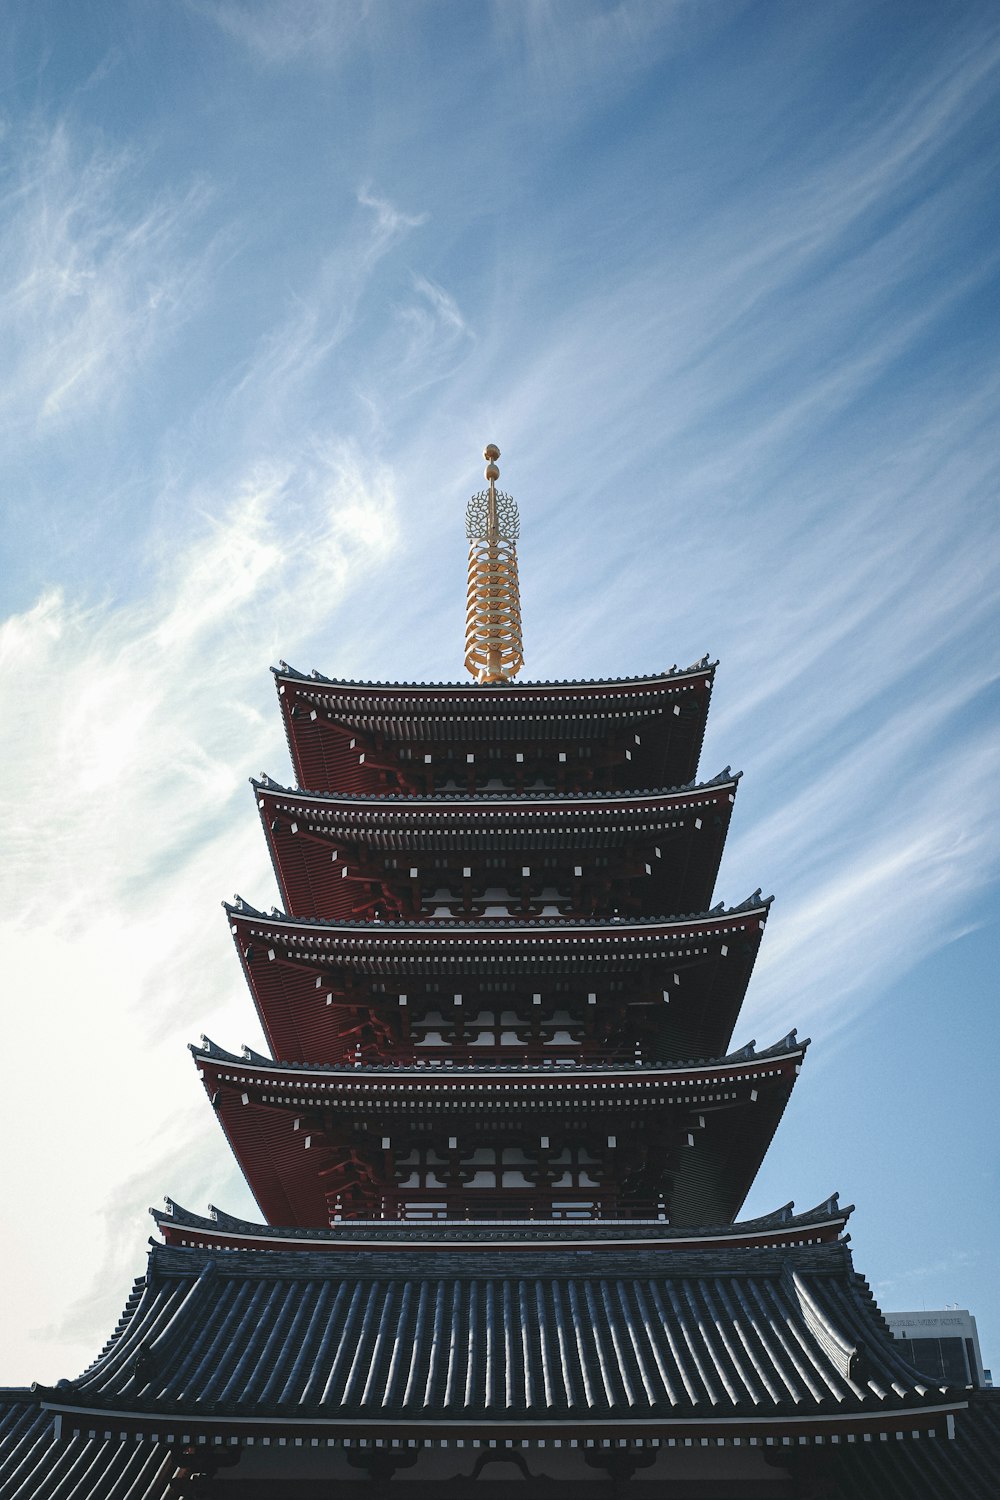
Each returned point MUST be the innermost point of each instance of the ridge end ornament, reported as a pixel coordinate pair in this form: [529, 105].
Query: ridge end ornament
[493, 645]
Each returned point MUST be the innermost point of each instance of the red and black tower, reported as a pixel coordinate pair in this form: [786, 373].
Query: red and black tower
[495, 990]
[502, 1135]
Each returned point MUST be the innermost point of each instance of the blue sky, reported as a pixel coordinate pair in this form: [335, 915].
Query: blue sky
[721, 280]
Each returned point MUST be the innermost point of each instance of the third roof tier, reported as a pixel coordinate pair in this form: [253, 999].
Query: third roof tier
[545, 991]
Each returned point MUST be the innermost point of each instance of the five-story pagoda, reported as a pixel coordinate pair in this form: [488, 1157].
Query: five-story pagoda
[495, 991]
[502, 1137]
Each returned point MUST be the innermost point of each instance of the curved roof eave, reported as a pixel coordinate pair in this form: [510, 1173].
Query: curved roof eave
[452, 927]
[748, 1056]
[784, 1219]
[382, 802]
[705, 664]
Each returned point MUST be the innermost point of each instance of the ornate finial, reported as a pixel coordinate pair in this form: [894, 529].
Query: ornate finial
[493, 650]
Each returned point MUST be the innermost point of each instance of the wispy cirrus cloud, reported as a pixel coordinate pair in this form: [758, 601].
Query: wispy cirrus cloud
[293, 363]
[138, 719]
[99, 273]
[901, 871]
[125, 818]
[280, 33]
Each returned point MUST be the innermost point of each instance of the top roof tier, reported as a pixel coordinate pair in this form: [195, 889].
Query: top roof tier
[419, 739]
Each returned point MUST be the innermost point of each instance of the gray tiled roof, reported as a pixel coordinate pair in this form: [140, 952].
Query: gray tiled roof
[964, 1469]
[35, 1467]
[568, 1336]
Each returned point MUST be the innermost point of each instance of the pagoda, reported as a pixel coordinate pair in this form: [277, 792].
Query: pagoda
[500, 1139]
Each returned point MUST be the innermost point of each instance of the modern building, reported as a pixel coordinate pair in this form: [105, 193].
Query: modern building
[944, 1345]
[500, 1141]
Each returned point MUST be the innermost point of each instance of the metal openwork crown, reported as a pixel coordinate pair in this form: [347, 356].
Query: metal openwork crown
[477, 514]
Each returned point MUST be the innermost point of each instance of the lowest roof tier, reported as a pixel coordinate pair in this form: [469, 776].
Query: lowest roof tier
[703, 1343]
[322, 1144]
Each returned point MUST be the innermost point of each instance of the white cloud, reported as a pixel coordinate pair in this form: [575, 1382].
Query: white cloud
[130, 731]
[273, 397]
[99, 275]
[391, 221]
[278, 33]
[896, 882]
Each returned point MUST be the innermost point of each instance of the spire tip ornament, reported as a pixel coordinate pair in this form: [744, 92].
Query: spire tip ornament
[493, 649]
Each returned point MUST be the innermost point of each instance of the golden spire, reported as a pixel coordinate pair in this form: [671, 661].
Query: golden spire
[493, 650]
